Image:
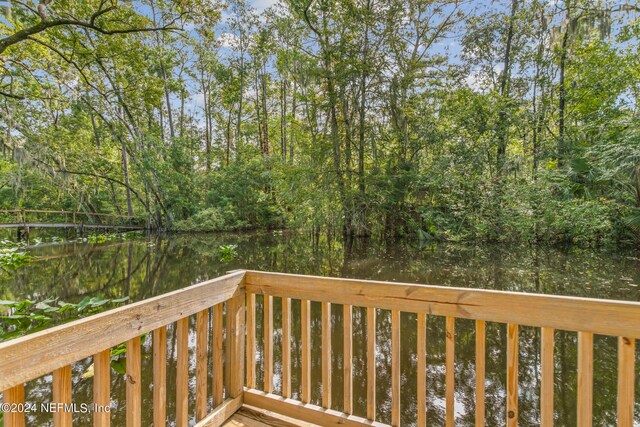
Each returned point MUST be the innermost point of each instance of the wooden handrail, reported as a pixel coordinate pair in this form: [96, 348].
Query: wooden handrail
[59, 346]
[548, 312]
[604, 317]
[70, 212]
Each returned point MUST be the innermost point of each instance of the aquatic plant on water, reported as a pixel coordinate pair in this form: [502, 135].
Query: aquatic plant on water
[227, 253]
[25, 317]
[20, 318]
[101, 238]
[12, 258]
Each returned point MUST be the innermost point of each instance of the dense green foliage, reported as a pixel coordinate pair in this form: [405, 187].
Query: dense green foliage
[23, 317]
[508, 120]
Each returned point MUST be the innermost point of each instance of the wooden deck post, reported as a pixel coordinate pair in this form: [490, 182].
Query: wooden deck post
[14, 395]
[235, 345]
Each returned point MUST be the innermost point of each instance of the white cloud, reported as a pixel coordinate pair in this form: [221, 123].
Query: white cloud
[228, 40]
[261, 5]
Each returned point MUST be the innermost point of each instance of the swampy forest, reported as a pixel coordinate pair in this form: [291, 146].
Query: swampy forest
[511, 120]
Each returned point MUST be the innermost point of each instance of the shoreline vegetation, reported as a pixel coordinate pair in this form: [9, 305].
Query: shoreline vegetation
[508, 121]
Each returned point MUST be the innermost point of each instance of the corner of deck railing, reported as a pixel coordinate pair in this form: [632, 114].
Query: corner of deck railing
[240, 270]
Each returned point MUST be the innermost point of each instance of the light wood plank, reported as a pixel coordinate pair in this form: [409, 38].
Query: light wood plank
[347, 334]
[450, 371]
[236, 328]
[305, 325]
[512, 375]
[480, 372]
[421, 374]
[134, 383]
[547, 378]
[182, 372]
[62, 395]
[268, 343]
[221, 413]
[102, 388]
[202, 342]
[585, 379]
[606, 317]
[14, 395]
[304, 411]
[395, 368]
[251, 340]
[326, 354]
[160, 376]
[77, 340]
[626, 380]
[217, 332]
[286, 347]
[252, 416]
[371, 363]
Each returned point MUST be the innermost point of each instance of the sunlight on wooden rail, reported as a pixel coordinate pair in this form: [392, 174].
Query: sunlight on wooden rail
[226, 309]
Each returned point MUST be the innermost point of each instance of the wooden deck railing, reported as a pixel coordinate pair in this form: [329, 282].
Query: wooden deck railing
[56, 349]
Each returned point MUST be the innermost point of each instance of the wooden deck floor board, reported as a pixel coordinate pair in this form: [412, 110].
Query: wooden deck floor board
[249, 416]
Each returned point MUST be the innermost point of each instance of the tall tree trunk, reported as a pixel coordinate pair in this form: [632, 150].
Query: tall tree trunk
[95, 129]
[228, 137]
[258, 116]
[505, 83]
[239, 112]
[562, 96]
[293, 119]
[125, 171]
[538, 100]
[207, 125]
[181, 118]
[265, 115]
[168, 100]
[361, 124]
[283, 118]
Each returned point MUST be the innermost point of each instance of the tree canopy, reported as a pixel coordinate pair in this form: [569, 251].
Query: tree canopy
[445, 119]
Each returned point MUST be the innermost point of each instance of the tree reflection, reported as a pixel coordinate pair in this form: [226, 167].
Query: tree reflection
[155, 265]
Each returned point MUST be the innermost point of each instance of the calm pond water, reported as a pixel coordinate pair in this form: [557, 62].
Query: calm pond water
[153, 265]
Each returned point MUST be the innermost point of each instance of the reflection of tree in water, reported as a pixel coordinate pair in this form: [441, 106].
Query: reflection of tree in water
[144, 268]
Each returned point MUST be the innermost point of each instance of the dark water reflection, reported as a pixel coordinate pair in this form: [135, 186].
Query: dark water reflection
[155, 265]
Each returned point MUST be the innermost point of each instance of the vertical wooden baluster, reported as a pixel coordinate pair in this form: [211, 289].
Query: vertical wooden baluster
[512, 375]
[134, 383]
[62, 395]
[182, 375]
[216, 344]
[371, 363]
[626, 380]
[305, 325]
[326, 355]
[102, 388]
[347, 319]
[202, 341]
[395, 368]
[268, 343]
[235, 345]
[14, 395]
[286, 347]
[547, 380]
[585, 379]
[480, 371]
[251, 340]
[449, 372]
[160, 376]
[422, 369]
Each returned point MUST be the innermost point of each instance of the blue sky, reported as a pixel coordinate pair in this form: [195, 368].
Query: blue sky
[262, 4]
